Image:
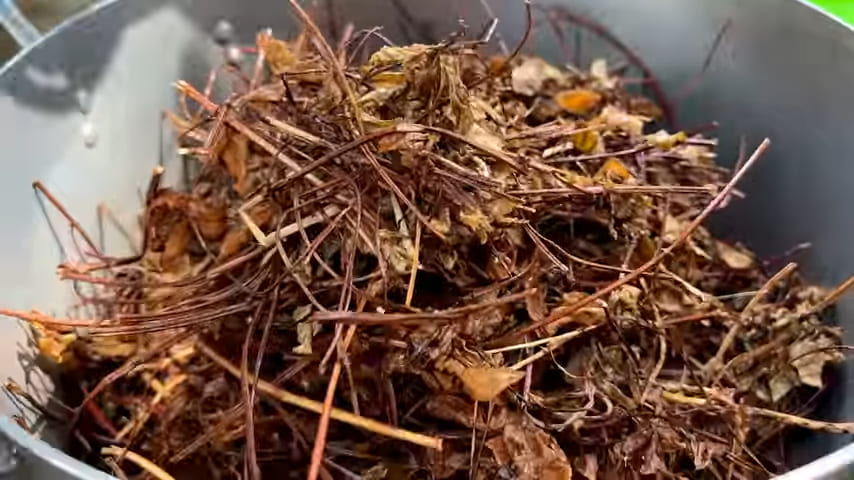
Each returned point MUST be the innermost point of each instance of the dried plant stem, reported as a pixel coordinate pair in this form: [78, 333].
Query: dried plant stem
[139, 460]
[323, 423]
[683, 237]
[410, 291]
[368, 318]
[834, 294]
[241, 127]
[75, 225]
[785, 418]
[314, 406]
[717, 361]
[555, 340]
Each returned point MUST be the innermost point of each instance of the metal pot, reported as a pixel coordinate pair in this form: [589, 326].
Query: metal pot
[80, 110]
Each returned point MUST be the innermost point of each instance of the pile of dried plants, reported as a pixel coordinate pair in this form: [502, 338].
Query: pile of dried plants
[434, 264]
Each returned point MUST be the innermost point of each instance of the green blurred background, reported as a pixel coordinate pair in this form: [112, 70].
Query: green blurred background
[45, 14]
[844, 9]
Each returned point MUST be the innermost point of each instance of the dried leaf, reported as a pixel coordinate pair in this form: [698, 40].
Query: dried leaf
[614, 171]
[485, 383]
[780, 385]
[666, 141]
[616, 118]
[587, 141]
[54, 346]
[305, 330]
[587, 466]
[811, 356]
[483, 136]
[578, 101]
[235, 156]
[599, 71]
[703, 452]
[277, 53]
[533, 453]
[395, 55]
[528, 78]
[479, 223]
[734, 257]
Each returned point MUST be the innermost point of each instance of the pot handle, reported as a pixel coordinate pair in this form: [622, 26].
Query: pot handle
[18, 26]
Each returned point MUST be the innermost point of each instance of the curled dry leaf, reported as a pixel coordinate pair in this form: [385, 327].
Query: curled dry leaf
[484, 384]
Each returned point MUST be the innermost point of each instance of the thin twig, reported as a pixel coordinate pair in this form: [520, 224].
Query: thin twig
[139, 460]
[683, 237]
[314, 406]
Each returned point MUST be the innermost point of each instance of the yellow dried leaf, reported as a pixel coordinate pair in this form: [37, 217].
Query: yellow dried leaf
[734, 257]
[55, 346]
[501, 207]
[587, 141]
[388, 79]
[111, 347]
[613, 170]
[276, 52]
[477, 222]
[664, 140]
[578, 101]
[394, 55]
[483, 384]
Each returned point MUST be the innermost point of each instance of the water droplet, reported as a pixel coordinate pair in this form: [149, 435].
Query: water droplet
[223, 32]
[90, 135]
[84, 101]
[233, 54]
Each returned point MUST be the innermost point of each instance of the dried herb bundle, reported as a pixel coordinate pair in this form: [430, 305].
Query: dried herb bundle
[434, 264]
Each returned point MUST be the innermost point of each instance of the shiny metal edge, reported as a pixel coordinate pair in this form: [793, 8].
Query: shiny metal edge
[41, 460]
[91, 9]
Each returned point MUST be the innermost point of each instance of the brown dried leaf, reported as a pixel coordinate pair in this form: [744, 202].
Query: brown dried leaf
[211, 220]
[233, 243]
[735, 258]
[587, 466]
[485, 383]
[235, 156]
[395, 55]
[483, 136]
[578, 101]
[533, 453]
[703, 452]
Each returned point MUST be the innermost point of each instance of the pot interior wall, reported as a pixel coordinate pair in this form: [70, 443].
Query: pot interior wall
[81, 113]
